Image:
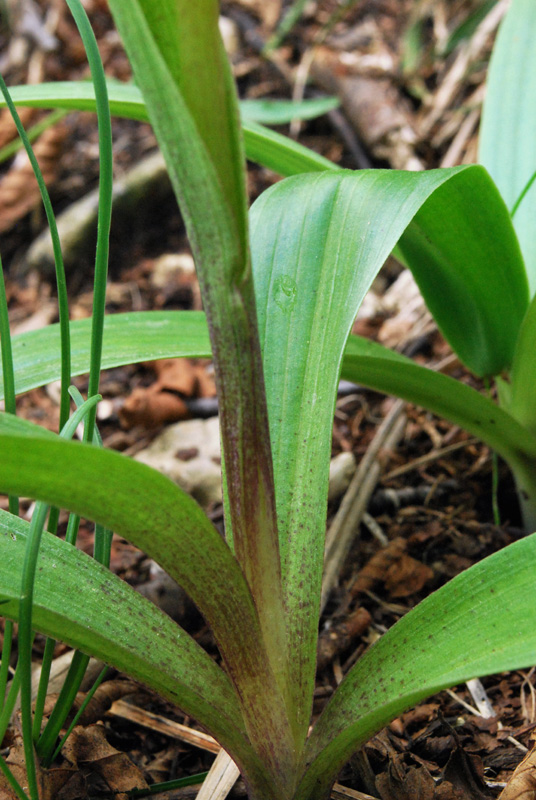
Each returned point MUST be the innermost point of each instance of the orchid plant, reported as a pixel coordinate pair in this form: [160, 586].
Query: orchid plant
[281, 287]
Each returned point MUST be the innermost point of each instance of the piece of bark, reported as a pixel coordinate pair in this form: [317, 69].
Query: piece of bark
[339, 638]
[372, 104]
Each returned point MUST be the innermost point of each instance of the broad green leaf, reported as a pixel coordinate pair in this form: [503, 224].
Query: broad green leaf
[149, 335]
[148, 509]
[379, 368]
[482, 622]
[197, 127]
[464, 255]
[126, 100]
[507, 140]
[279, 112]
[317, 243]
[83, 604]
[281, 154]
[266, 147]
[128, 339]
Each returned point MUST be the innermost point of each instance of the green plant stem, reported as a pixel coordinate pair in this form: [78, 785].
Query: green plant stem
[26, 640]
[168, 786]
[33, 133]
[6, 655]
[105, 200]
[84, 705]
[9, 705]
[290, 18]
[63, 303]
[71, 533]
[45, 746]
[26, 608]
[8, 378]
[8, 373]
[13, 782]
[523, 194]
[46, 665]
[102, 547]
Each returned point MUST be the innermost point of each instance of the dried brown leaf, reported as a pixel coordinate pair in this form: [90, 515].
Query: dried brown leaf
[19, 192]
[522, 784]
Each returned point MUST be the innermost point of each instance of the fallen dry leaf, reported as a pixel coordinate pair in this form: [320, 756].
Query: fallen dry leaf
[88, 749]
[19, 192]
[401, 782]
[522, 784]
[406, 576]
[164, 400]
[376, 569]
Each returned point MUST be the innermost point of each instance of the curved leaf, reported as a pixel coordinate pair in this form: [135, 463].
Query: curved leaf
[317, 243]
[507, 141]
[464, 254]
[84, 605]
[523, 374]
[196, 124]
[483, 621]
[148, 509]
[378, 368]
[266, 147]
[128, 339]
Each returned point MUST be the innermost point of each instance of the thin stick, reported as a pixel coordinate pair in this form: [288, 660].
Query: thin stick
[221, 778]
[345, 525]
[155, 722]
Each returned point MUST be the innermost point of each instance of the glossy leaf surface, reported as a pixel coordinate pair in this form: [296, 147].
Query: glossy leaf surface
[523, 375]
[128, 339]
[262, 145]
[84, 605]
[465, 257]
[146, 508]
[197, 127]
[507, 140]
[463, 630]
[385, 371]
[317, 243]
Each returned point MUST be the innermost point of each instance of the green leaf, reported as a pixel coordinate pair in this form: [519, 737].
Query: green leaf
[507, 141]
[279, 112]
[128, 339]
[464, 255]
[197, 127]
[317, 243]
[152, 512]
[268, 148]
[381, 369]
[468, 26]
[523, 375]
[482, 622]
[84, 605]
